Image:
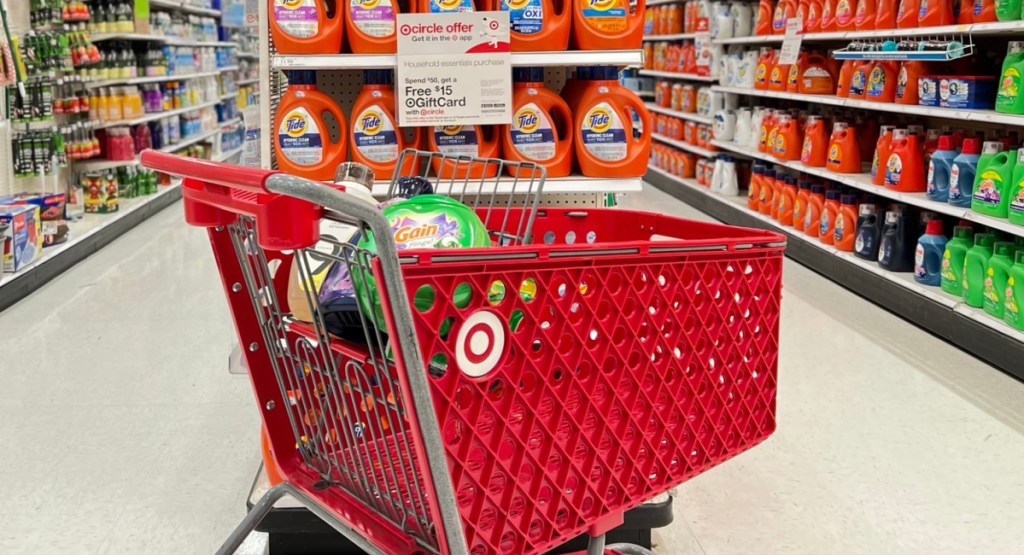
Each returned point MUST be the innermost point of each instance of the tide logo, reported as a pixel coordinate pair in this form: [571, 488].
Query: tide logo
[602, 5]
[296, 124]
[599, 120]
[515, 4]
[527, 120]
[371, 122]
[292, 4]
[448, 5]
[451, 130]
[367, 4]
[411, 233]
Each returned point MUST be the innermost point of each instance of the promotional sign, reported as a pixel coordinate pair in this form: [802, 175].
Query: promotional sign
[790, 50]
[454, 69]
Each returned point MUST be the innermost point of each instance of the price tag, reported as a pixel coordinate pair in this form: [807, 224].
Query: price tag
[794, 26]
[790, 50]
[454, 69]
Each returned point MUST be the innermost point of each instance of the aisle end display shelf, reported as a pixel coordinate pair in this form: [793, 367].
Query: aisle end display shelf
[697, 118]
[625, 58]
[942, 314]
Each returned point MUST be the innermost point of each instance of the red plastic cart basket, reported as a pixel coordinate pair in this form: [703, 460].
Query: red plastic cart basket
[519, 395]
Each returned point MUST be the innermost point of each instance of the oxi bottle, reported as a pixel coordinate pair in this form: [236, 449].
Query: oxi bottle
[541, 129]
[539, 25]
[303, 27]
[376, 138]
[827, 221]
[370, 26]
[812, 216]
[606, 144]
[301, 142]
[846, 223]
[604, 24]
[445, 6]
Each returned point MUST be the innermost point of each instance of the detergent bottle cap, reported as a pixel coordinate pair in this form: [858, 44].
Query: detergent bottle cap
[1009, 143]
[789, 180]
[867, 209]
[302, 77]
[899, 134]
[769, 173]
[805, 185]
[963, 232]
[946, 142]
[886, 129]
[984, 240]
[839, 126]
[991, 147]
[850, 199]
[934, 227]
[528, 74]
[833, 195]
[1004, 248]
[972, 145]
[817, 189]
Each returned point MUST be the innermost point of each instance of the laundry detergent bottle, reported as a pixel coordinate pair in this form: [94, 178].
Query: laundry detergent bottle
[846, 223]
[885, 16]
[906, 81]
[598, 24]
[896, 248]
[984, 11]
[454, 141]
[934, 13]
[1013, 300]
[538, 25]
[302, 143]
[828, 16]
[963, 172]
[812, 215]
[607, 144]
[843, 150]
[882, 82]
[800, 204]
[939, 165]
[864, 19]
[829, 213]
[1009, 96]
[846, 15]
[541, 129]
[881, 155]
[907, 14]
[992, 187]
[1016, 212]
[304, 27]
[928, 256]
[376, 138]
[904, 171]
[952, 273]
[787, 139]
[994, 295]
[1008, 10]
[869, 232]
[975, 268]
[445, 6]
[370, 26]
[815, 147]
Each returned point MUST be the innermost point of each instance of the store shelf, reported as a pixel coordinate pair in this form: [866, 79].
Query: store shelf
[386, 61]
[677, 36]
[977, 29]
[228, 96]
[87, 236]
[862, 181]
[676, 75]
[171, 41]
[661, 2]
[558, 185]
[225, 156]
[928, 307]
[245, 82]
[247, 56]
[677, 114]
[228, 68]
[144, 80]
[183, 6]
[644, 94]
[683, 146]
[100, 165]
[983, 116]
[158, 115]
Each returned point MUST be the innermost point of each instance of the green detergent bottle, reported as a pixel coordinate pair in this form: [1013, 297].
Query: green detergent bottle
[1010, 98]
[992, 187]
[953, 260]
[1014, 297]
[975, 266]
[995, 277]
[1007, 10]
[1016, 212]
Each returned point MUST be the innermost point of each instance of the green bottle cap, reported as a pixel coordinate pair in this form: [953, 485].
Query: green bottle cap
[963, 232]
[1004, 248]
[1020, 257]
[984, 240]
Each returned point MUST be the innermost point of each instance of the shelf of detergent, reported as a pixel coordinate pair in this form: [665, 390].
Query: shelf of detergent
[170, 41]
[988, 28]
[586, 130]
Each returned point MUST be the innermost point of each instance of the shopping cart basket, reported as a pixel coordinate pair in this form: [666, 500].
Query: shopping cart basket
[517, 396]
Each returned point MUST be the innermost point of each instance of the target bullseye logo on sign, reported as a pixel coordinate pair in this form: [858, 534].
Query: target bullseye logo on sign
[480, 344]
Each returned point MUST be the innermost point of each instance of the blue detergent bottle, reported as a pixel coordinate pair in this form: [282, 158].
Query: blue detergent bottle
[939, 165]
[928, 257]
[962, 172]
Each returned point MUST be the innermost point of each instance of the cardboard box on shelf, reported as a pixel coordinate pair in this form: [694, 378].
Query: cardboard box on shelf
[24, 240]
[51, 215]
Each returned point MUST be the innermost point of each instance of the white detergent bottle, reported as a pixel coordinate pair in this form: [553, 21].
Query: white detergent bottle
[724, 125]
[726, 177]
[755, 127]
[745, 70]
[743, 116]
[716, 184]
[743, 19]
[724, 22]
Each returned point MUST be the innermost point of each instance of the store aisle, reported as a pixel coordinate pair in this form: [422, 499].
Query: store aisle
[122, 431]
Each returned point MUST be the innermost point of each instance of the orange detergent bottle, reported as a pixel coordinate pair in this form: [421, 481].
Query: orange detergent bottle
[906, 14]
[812, 214]
[846, 223]
[827, 221]
[933, 13]
[802, 7]
[843, 150]
[765, 63]
[787, 139]
[964, 12]
[607, 144]
[376, 137]
[787, 196]
[766, 195]
[984, 11]
[754, 189]
[768, 123]
[859, 79]
[445, 6]
[302, 143]
[907, 80]
[881, 155]
[885, 15]
[816, 77]
[784, 11]
[882, 81]
[813, 22]
[464, 140]
[541, 129]
[370, 26]
[540, 25]
[843, 82]
[904, 170]
[596, 24]
[795, 71]
[769, 142]
[867, 136]
[828, 16]
[800, 205]
[778, 76]
[846, 15]
[765, 11]
[864, 19]
[815, 147]
[303, 27]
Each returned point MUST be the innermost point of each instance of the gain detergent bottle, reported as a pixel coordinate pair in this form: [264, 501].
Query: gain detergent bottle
[1009, 99]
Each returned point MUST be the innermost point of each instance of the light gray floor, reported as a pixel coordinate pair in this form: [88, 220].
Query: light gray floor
[122, 432]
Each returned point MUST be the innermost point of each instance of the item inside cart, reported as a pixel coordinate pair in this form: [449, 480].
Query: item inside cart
[596, 359]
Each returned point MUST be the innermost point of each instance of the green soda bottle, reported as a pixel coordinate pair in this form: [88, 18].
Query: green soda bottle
[953, 260]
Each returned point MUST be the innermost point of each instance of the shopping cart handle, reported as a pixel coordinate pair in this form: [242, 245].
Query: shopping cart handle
[214, 173]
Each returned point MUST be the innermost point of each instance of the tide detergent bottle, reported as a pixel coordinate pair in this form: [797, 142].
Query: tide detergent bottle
[906, 81]
[800, 204]
[864, 18]
[370, 26]
[812, 215]
[1010, 97]
[906, 14]
[843, 150]
[881, 155]
[445, 6]
[376, 138]
[994, 295]
[538, 25]
[301, 142]
[939, 165]
[846, 15]
[787, 139]
[607, 144]
[904, 171]
[962, 173]
[827, 221]
[596, 24]
[869, 231]
[480, 141]
[953, 258]
[984, 11]
[541, 129]
[975, 266]
[882, 81]
[933, 13]
[303, 27]
[992, 189]
[846, 223]
[815, 147]
[885, 16]
[1014, 294]
[928, 256]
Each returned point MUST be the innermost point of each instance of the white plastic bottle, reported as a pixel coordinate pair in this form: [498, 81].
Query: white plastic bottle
[716, 175]
[723, 22]
[726, 176]
[743, 117]
[724, 125]
[755, 127]
[743, 19]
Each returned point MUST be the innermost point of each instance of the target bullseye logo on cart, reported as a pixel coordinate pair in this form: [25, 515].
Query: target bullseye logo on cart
[481, 344]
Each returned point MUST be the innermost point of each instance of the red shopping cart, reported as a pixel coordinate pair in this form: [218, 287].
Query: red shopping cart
[515, 396]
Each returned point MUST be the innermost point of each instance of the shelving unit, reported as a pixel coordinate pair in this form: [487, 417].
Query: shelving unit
[929, 307]
[697, 118]
[980, 29]
[678, 36]
[676, 75]
[624, 58]
[147, 80]
[683, 145]
[183, 6]
[157, 115]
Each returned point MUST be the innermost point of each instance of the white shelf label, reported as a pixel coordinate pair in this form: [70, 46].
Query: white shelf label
[790, 50]
[454, 69]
